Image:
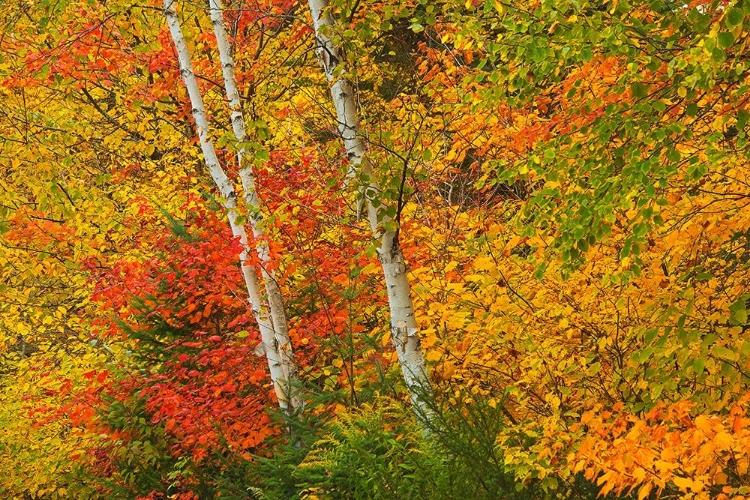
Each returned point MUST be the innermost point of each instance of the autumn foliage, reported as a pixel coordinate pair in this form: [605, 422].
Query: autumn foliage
[567, 181]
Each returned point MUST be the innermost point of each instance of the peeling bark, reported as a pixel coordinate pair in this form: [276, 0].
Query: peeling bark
[404, 330]
[226, 189]
[252, 204]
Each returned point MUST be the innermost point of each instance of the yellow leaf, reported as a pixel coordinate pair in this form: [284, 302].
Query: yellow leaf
[639, 474]
[386, 339]
[723, 440]
[683, 483]
[703, 423]
[644, 491]
[432, 355]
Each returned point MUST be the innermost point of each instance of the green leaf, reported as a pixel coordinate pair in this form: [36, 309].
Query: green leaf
[650, 335]
[645, 354]
[698, 366]
[738, 310]
[673, 155]
[718, 55]
[725, 353]
[739, 317]
[742, 118]
[656, 391]
[639, 89]
[726, 39]
[734, 17]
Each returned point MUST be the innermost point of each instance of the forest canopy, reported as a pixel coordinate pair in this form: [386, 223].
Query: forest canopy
[372, 249]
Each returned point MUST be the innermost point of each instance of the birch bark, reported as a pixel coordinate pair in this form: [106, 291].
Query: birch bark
[252, 203]
[225, 187]
[404, 330]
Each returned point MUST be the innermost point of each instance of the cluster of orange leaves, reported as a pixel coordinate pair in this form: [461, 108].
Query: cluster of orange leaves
[697, 454]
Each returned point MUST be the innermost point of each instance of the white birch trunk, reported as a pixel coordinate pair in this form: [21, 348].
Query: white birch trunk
[404, 331]
[224, 184]
[252, 202]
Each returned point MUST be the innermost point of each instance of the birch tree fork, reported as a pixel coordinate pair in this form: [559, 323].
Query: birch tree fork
[404, 330]
[225, 187]
[252, 202]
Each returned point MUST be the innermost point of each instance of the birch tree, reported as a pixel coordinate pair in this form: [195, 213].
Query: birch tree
[271, 320]
[404, 330]
[252, 203]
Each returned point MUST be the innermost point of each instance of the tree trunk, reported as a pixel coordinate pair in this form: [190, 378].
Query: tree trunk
[225, 187]
[404, 331]
[252, 203]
